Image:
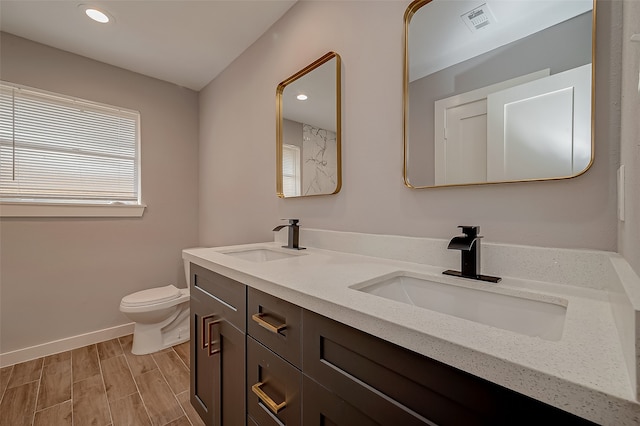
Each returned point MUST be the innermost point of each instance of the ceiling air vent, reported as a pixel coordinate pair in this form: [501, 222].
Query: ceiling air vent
[478, 18]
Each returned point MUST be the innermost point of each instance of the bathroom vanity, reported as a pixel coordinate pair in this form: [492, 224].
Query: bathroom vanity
[287, 337]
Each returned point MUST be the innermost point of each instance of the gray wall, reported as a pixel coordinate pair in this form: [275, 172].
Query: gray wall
[61, 277]
[237, 190]
[560, 48]
[629, 230]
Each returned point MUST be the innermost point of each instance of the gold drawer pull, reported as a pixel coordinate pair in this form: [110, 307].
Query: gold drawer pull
[266, 400]
[204, 340]
[214, 337]
[272, 328]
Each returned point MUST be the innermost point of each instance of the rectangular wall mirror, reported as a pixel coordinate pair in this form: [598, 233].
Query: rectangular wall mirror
[308, 130]
[497, 91]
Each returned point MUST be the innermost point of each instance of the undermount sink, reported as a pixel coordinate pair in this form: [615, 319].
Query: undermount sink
[260, 254]
[522, 315]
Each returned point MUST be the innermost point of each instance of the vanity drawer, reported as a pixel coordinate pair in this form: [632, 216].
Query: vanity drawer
[322, 408]
[396, 386]
[376, 377]
[228, 296]
[276, 324]
[273, 387]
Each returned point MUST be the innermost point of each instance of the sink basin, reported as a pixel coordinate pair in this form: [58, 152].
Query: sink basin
[260, 254]
[520, 314]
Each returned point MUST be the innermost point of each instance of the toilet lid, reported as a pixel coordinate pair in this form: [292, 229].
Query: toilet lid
[151, 296]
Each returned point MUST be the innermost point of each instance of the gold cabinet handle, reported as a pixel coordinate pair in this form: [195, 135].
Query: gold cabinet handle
[214, 344]
[266, 400]
[272, 328]
[204, 341]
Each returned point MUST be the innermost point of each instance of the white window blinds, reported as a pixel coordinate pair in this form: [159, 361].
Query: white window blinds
[66, 150]
[291, 178]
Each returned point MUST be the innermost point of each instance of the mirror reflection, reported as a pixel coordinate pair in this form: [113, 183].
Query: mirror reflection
[309, 130]
[497, 91]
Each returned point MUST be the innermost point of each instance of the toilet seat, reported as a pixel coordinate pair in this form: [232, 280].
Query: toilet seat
[151, 296]
[160, 317]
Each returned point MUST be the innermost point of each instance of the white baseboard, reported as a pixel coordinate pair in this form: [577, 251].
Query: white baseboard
[62, 345]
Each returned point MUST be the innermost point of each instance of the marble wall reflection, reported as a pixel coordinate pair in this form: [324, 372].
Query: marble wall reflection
[319, 161]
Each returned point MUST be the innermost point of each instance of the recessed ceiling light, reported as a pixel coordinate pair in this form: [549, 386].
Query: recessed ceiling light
[302, 97]
[97, 15]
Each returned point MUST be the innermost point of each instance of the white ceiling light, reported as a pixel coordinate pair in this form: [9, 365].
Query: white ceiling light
[96, 14]
[302, 97]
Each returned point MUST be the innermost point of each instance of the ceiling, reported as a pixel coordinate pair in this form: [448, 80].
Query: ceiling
[319, 109]
[183, 42]
[440, 38]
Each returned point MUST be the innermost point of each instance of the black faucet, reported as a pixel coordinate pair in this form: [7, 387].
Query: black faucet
[469, 245]
[294, 234]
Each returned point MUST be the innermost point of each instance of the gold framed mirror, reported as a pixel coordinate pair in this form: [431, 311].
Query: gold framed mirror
[497, 91]
[308, 130]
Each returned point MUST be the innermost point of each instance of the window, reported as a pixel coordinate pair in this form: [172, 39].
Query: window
[56, 150]
[291, 178]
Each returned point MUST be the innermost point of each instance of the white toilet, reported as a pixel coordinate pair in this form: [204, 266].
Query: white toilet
[161, 317]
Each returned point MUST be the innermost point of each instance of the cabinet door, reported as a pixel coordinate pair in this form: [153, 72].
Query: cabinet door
[273, 387]
[218, 368]
[232, 375]
[218, 348]
[324, 408]
[203, 366]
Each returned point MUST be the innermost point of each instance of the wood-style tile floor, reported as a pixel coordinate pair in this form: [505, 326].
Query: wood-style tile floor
[99, 385]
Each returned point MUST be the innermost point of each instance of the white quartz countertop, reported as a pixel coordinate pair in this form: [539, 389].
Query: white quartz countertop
[584, 372]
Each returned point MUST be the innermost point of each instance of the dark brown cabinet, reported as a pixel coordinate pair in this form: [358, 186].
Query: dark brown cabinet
[262, 361]
[218, 347]
[376, 381]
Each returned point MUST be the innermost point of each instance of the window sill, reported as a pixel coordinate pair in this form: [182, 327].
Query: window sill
[69, 210]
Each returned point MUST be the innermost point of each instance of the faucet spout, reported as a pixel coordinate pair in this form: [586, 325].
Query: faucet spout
[462, 243]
